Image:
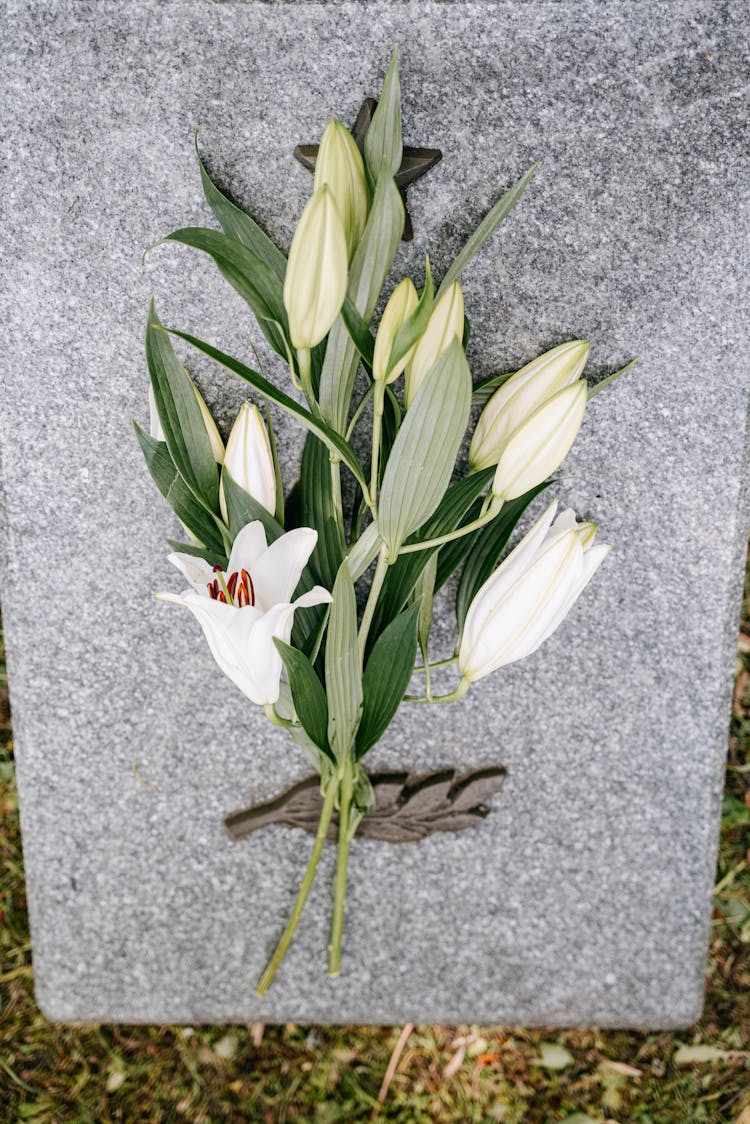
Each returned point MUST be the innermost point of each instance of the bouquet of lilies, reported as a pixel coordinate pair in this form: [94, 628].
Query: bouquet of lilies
[274, 582]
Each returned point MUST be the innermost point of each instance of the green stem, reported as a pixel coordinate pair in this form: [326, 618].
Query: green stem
[266, 979]
[372, 599]
[488, 516]
[304, 363]
[342, 865]
[358, 412]
[433, 666]
[454, 696]
[276, 719]
[377, 425]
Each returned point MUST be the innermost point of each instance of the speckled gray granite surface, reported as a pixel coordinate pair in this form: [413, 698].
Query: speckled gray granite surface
[585, 897]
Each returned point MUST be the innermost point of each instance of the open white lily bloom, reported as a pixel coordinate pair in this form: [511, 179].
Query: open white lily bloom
[529, 594]
[242, 609]
[248, 459]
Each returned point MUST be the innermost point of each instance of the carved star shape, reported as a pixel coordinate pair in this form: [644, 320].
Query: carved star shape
[415, 162]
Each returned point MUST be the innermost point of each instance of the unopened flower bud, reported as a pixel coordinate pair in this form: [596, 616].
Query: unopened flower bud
[316, 273]
[339, 166]
[445, 324]
[520, 395]
[540, 443]
[248, 459]
[401, 303]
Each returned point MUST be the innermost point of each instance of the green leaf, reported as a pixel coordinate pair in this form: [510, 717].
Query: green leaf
[177, 494]
[452, 554]
[387, 674]
[487, 547]
[487, 227]
[327, 435]
[242, 508]
[368, 271]
[343, 676]
[279, 512]
[180, 415]
[425, 450]
[425, 592]
[238, 225]
[307, 693]
[483, 391]
[257, 283]
[605, 382]
[365, 550]
[214, 558]
[319, 510]
[360, 333]
[383, 142]
[403, 575]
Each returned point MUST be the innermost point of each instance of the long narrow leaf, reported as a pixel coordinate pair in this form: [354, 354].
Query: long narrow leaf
[605, 382]
[403, 575]
[240, 225]
[343, 676]
[318, 510]
[180, 415]
[307, 694]
[357, 328]
[327, 435]
[178, 495]
[386, 677]
[257, 282]
[383, 142]
[425, 450]
[486, 228]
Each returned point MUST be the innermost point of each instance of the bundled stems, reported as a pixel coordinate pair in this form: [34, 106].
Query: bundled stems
[266, 979]
[342, 866]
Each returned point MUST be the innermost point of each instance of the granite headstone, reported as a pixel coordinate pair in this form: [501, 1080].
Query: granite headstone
[585, 896]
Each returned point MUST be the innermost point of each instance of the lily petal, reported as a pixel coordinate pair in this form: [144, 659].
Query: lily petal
[277, 571]
[248, 547]
[196, 570]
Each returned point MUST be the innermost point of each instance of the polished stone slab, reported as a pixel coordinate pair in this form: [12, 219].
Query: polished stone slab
[585, 897]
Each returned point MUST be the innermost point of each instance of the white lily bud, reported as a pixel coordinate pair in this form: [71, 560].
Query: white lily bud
[522, 393]
[248, 459]
[540, 443]
[157, 432]
[317, 270]
[445, 324]
[340, 167]
[401, 303]
[529, 594]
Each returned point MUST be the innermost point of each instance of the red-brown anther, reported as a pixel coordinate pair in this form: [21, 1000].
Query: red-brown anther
[248, 583]
[222, 597]
[217, 568]
[232, 584]
[242, 598]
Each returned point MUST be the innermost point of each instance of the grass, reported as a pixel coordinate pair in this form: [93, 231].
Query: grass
[423, 1075]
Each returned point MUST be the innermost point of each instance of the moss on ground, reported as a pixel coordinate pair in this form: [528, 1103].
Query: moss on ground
[464, 1074]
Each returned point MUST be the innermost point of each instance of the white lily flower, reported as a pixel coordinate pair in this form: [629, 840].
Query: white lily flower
[529, 594]
[157, 432]
[243, 608]
[248, 459]
[541, 443]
